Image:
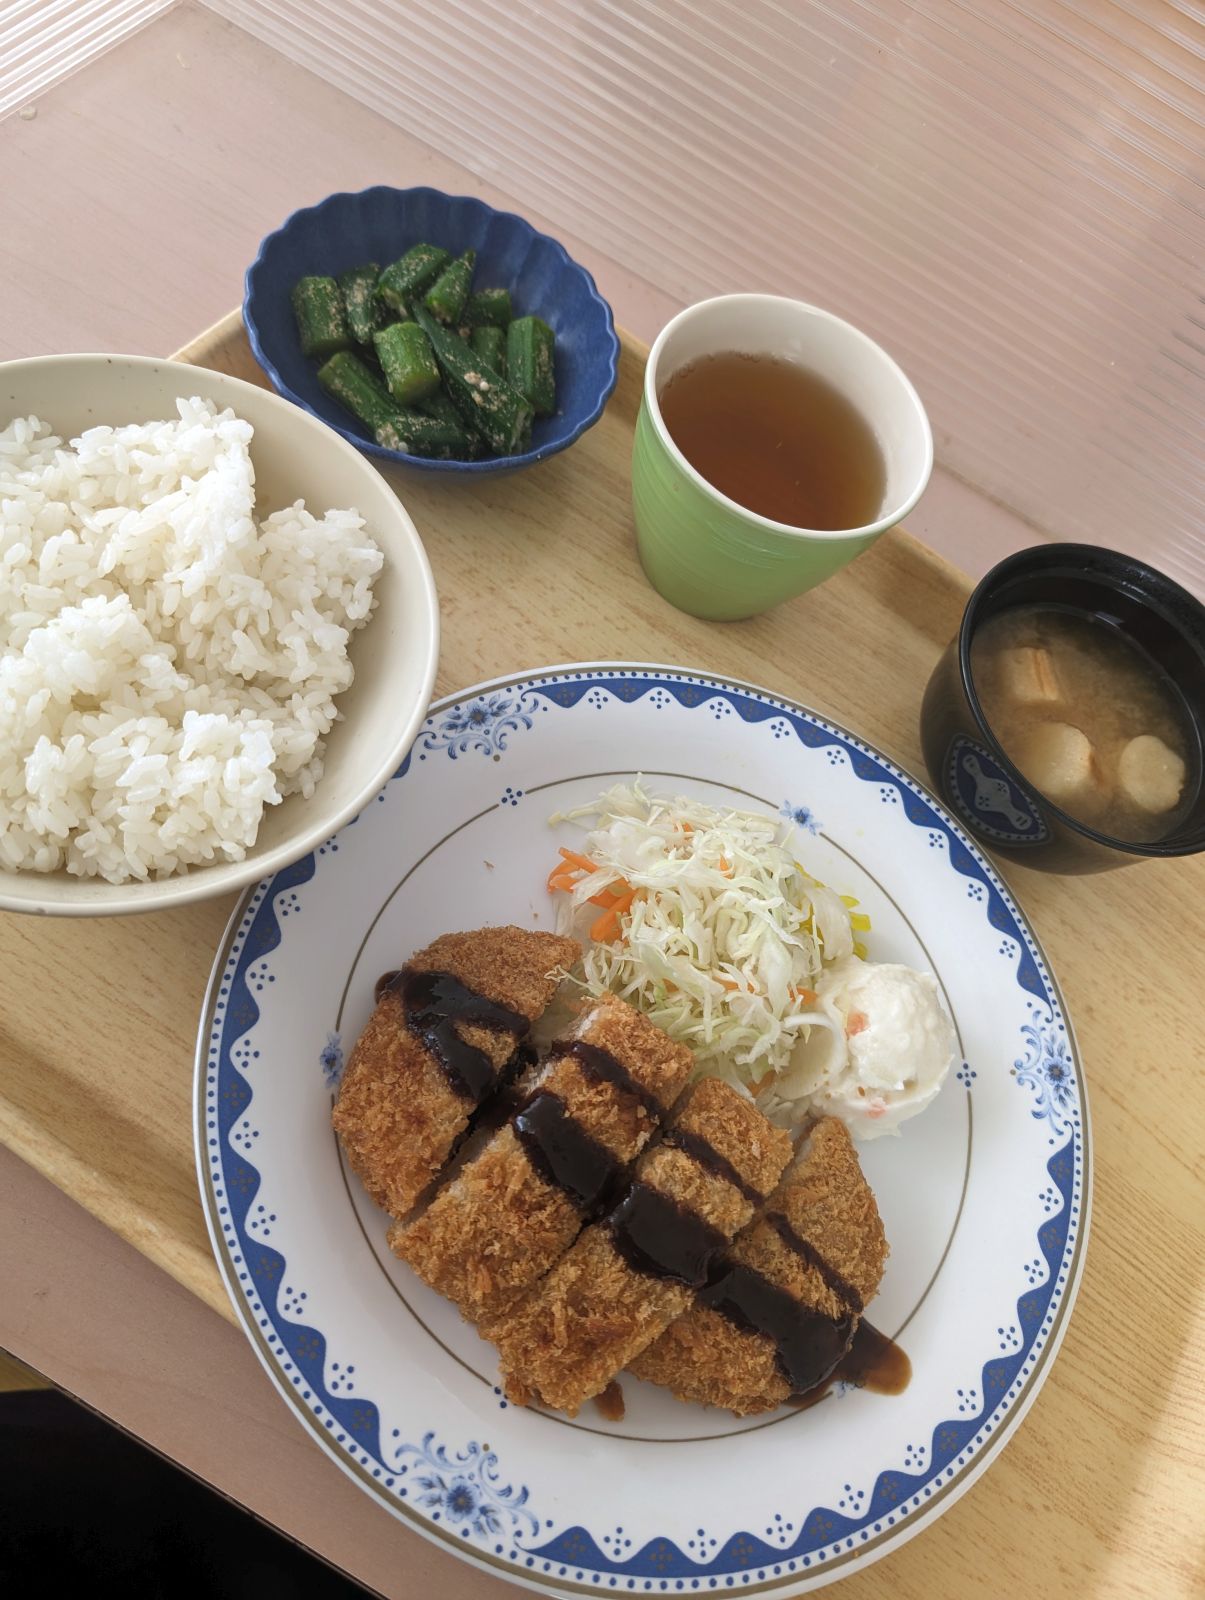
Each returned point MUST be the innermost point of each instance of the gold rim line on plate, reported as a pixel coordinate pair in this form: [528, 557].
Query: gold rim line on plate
[382, 1266]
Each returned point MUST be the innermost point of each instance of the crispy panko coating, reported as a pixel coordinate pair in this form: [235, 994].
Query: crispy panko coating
[704, 1357]
[398, 1116]
[594, 1312]
[499, 1225]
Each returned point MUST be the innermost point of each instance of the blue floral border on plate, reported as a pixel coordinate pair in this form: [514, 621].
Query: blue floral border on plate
[464, 1490]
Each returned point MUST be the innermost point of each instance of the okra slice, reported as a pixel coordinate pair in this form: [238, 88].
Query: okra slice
[446, 297]
[352, 384]
[420, 435]
[407, 361]
[529, 362]
[490, 344]
[321, 321]
[438, 405]
[347, 378]
[485, 401]
[407, 277]
[358, 286]
[487, 308]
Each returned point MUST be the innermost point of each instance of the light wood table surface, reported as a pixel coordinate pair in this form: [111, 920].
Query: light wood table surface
[1101, 1492]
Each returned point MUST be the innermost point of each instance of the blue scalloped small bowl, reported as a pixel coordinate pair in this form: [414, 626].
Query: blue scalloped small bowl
[378, 224]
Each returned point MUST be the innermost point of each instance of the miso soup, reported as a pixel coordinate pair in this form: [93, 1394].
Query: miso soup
[1092, 723]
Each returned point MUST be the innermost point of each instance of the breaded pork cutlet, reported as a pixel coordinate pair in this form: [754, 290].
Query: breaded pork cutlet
[783, 1307]
[443, 1032]
[628, 1277]
[497, 1227]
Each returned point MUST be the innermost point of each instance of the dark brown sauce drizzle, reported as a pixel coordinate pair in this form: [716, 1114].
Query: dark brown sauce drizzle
[705, 1153]
[433, 1003]
[560, 1149]
[843, 1290]
[610, 1403]
[498, 1108]
[484, 1120]
[873, 1361]
[603, 1067]
[526, 1055]
[808, 1344]
[563, 1153]
[662, 1239]
[813, 1350]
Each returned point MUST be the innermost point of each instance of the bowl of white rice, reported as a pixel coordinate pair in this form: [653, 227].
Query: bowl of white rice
[218, 633]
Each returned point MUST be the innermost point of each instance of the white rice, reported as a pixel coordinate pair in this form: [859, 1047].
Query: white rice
[169, 665]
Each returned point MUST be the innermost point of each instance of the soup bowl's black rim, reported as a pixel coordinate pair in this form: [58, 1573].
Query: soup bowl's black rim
[1106, 568]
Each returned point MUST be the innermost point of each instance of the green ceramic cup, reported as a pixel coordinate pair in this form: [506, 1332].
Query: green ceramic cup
[705, 553]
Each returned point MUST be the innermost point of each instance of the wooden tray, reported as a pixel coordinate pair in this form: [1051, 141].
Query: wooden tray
[96, 1046]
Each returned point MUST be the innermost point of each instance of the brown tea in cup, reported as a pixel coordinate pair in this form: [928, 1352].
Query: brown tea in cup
[778, 439]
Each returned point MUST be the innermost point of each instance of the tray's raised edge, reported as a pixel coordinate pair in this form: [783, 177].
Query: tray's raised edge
[205, 351]
[224, 331]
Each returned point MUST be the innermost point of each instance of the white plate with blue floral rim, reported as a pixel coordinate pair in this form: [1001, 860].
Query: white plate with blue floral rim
[985, 1198]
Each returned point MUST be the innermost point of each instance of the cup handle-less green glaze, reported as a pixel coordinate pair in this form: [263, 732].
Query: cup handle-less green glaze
[708, 558]
[700, 550]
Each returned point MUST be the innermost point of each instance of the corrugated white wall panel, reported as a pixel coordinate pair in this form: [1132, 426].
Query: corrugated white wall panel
[42, 41]
[1010, 194]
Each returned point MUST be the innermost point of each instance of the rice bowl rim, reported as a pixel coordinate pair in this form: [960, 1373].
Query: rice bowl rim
[64, 894]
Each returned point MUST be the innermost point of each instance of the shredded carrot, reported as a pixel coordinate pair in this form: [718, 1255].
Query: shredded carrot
[573, 869]
[806, 995]
[606, 928]
[584, 862]
[611, 896]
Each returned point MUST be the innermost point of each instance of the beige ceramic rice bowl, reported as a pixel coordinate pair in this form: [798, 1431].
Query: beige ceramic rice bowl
[393, 653]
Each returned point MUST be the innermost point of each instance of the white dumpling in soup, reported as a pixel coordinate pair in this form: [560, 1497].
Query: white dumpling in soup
[1058, 759]
[1089, 718]
[1151, 774]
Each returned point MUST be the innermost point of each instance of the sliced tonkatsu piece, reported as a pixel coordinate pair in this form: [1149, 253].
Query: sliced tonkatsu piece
[785, 1300]
[629, 1276]
[442, 1036]
[496, 1228]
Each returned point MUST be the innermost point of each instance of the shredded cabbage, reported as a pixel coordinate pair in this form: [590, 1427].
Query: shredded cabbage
[708, 925]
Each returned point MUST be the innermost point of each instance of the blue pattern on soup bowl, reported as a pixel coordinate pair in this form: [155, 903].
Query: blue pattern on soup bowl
[380, 224]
